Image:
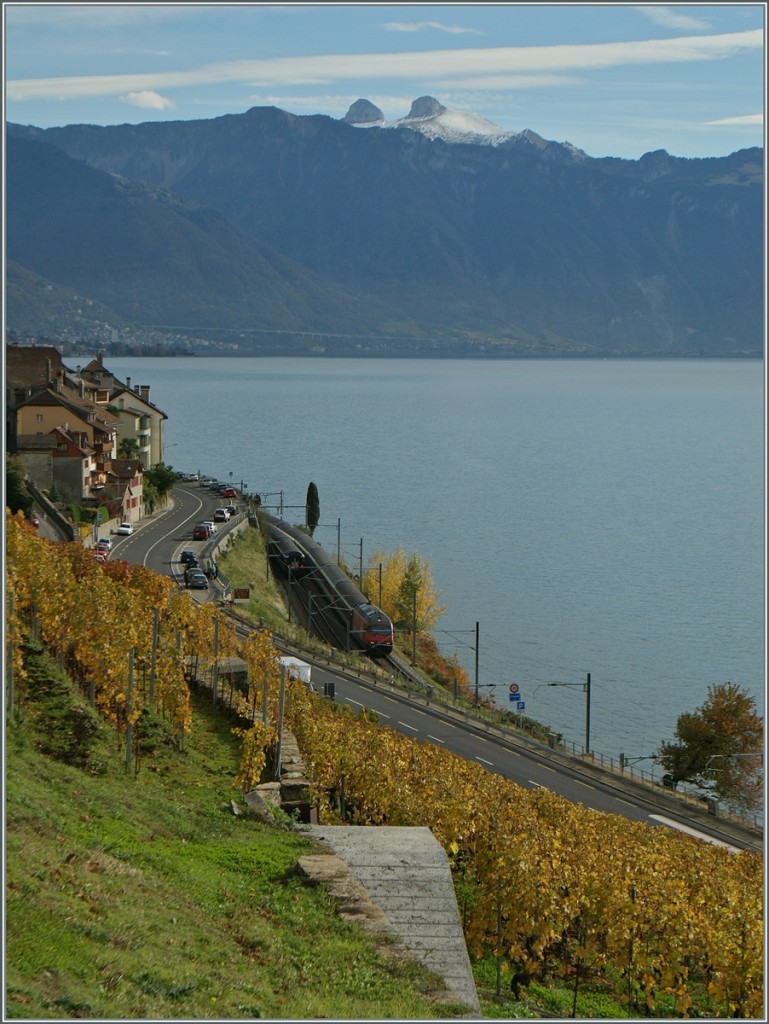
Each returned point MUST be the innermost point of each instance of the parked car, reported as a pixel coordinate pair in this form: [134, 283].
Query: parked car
[100, 556]
[206, 481]
[229, 492]
[104, 542]
[201, 532]
[126, 529]
[232, 509]
[210, 524]
[100, 549]
[221, 515]
[197, 581]
[187, 556]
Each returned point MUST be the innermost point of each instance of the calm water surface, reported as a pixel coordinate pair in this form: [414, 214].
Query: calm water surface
[591, 516]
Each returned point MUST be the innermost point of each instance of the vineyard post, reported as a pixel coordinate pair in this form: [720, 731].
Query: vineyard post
[10, 660]
[499, 937]
[215, 674]
[155, 625]
[129, 737]
[281, 705]
[264, 698]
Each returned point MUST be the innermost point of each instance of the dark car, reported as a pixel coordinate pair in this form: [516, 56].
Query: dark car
[197, 581]
[201, 532]
[232, 509]
[187, 556]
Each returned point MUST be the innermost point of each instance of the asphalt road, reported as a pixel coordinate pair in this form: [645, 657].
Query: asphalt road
[158, 541]
[157, 544]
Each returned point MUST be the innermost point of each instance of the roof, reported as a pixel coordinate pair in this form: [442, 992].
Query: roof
[31, 365]
[35, 443]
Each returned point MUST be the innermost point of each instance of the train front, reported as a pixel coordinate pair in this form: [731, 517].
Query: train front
[372, 630]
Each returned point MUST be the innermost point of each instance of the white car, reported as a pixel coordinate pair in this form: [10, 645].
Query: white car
[126, 529]
[210, 524]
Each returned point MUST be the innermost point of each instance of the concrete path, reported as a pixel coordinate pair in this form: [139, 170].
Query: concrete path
[406, 873]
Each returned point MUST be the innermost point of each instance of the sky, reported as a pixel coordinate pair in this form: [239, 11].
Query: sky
[612, 79]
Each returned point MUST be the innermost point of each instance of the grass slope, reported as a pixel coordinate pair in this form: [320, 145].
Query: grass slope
[142, 896]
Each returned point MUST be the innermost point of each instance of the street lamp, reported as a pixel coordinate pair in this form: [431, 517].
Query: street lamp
[586, 690]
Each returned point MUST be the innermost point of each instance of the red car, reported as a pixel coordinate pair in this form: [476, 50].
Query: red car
[229, 492]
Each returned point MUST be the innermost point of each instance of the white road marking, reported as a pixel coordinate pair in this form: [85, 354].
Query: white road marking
[691, 831]
[435, 739]
[407, 726]
[483, 759]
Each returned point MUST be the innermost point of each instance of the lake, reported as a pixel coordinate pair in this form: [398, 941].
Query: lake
[591, 516]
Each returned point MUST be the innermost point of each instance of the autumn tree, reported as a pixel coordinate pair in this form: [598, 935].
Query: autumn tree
[408, 591]
[719, 747]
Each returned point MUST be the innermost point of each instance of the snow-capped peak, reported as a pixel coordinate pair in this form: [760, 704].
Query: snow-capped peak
[431, 118]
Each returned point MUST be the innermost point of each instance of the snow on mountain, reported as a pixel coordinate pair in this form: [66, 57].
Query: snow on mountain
[432, 119]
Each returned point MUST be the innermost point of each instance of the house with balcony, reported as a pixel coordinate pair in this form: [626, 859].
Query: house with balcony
[139, 418]
[127, 483]
[82, 425]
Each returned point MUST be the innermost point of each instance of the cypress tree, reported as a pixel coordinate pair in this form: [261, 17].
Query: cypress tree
[313, 508]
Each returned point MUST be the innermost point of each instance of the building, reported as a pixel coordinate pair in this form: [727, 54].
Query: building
[128, 486]
[139, 418]
[67, 427]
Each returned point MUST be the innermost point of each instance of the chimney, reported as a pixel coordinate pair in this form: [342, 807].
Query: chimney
[128, 383]
[145, 392]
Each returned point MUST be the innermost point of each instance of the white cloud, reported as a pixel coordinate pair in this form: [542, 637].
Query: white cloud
[743, 119]
[672, 18]
[148, 100]
[420, 26]
[450, 65]
[509, 82]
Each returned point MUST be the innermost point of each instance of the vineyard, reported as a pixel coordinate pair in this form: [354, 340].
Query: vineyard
[673, 927]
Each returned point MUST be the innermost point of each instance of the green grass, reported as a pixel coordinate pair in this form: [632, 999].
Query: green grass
[143, 896]
[538, 999]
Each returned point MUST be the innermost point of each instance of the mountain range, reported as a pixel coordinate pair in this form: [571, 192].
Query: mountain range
[438, 233]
